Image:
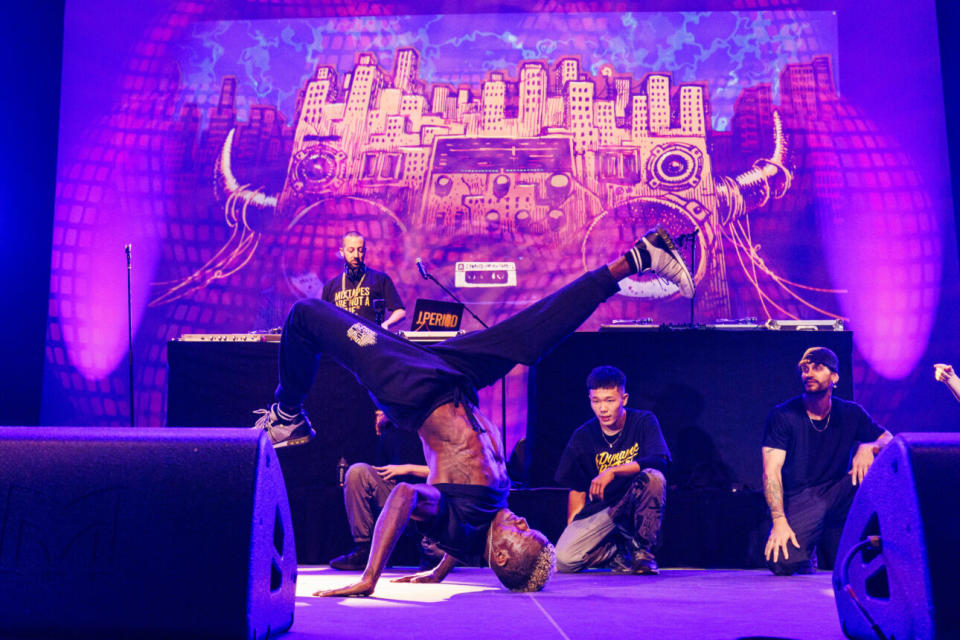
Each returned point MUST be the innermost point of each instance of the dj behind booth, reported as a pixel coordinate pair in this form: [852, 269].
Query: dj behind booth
[710, 386]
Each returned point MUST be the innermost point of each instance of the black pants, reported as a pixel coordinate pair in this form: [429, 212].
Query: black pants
[408, 381]
[809, 513]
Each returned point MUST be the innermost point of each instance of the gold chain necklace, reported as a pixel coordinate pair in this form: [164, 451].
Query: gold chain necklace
[343, 284]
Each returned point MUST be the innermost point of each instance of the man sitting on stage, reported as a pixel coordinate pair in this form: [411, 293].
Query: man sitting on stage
[433, 390]
[807, 443]
[613, 466]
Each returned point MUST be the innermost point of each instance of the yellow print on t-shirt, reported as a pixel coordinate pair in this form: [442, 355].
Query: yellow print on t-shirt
[352, 299]
[606, 459]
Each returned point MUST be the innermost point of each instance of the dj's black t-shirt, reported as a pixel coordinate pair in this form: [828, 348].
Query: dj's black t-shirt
[358, 297]
[816, 457]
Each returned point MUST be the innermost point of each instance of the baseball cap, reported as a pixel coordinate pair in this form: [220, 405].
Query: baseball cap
[821, 355]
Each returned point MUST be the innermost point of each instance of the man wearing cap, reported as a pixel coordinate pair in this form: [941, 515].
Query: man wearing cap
[808, 476]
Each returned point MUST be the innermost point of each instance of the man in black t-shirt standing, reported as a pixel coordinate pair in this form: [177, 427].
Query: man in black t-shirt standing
[808, 476]
[614, 466]
[359, 287]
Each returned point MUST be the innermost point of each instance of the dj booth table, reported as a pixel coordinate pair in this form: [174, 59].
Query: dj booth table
[710, 389]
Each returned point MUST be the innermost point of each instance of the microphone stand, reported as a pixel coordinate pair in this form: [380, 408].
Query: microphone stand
[503, 380]
[126, 249]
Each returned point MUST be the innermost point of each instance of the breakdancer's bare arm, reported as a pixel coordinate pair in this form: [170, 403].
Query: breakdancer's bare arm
[406, 501]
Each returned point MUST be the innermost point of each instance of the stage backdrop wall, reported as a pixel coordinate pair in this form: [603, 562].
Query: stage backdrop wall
[232, 143]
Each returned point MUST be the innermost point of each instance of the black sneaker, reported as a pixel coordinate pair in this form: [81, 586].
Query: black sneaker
[356, 560]
[665, 259]
[640, 563]
[643, 563]
[618, 564]
[283, 432]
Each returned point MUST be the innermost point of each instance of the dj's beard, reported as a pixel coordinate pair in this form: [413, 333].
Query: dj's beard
[354, 273]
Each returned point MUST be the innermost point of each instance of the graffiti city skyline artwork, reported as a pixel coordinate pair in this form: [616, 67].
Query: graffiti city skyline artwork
[551, 160]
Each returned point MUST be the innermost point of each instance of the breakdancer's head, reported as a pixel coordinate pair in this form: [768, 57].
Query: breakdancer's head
[522, 558]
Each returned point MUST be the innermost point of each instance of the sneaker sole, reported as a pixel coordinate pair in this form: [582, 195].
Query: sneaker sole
[292, 442]
[624, 571]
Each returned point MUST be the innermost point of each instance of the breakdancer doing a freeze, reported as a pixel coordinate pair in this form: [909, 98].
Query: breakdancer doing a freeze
[433, 390]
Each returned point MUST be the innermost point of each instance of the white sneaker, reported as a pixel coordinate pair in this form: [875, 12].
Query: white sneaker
[284, 433]
[666, 261]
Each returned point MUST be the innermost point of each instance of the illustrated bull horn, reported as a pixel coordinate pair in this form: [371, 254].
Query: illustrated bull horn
[245, 211]
[227, 183]
[768, 179]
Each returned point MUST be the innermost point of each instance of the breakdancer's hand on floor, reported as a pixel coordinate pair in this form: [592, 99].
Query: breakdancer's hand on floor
[437, 574]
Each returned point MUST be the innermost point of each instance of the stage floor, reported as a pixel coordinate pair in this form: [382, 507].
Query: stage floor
[679, 603]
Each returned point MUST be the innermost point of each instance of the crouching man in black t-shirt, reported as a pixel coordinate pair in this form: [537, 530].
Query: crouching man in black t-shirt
[807, 444]
[614, 466]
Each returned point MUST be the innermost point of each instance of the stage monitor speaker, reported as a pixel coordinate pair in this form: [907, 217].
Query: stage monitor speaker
[898, 563]
[143, 533]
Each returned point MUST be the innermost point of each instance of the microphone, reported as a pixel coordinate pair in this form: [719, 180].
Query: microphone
[422, 269]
